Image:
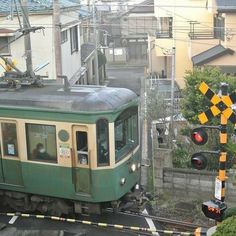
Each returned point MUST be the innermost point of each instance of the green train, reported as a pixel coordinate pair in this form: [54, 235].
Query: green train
[64, 150]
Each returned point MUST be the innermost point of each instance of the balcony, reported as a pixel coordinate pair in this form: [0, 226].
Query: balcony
[164, 34]
[197, 35]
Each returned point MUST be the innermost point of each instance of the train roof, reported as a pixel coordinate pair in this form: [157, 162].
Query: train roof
[77, 98]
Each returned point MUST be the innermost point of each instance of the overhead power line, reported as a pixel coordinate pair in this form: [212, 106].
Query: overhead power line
[30, 4]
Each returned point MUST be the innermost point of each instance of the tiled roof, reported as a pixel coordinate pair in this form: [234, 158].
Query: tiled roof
[226, 5]
[36, 5]
[143, 7]
[210, 54]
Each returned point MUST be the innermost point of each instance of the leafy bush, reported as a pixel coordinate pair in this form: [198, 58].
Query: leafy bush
[181, 158]
[227, 227]
[230, 212]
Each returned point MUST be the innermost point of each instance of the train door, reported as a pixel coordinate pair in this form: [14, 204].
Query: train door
[10, 165]
[81, 162]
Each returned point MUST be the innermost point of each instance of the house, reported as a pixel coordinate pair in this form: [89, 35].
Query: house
[89, 46]
[194, 33]
[221, 52]
[62, 52]
[136, 24]
[129, 31]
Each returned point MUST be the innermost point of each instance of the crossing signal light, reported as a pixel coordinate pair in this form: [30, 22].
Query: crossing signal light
[214, 209]
[199, 136]
[199, 161]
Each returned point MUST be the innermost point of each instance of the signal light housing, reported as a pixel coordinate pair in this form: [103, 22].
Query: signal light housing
[214, 209]
[199, 161]
[199, 136]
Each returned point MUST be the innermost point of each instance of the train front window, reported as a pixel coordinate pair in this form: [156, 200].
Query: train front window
[102, 143]
[41, 142]
[9, 138]
[126, 133]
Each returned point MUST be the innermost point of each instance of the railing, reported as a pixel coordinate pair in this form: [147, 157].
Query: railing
[201, 35]
[164, 34]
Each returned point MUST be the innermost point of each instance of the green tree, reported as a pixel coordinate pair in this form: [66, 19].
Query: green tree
[194, 102]
[156, 106]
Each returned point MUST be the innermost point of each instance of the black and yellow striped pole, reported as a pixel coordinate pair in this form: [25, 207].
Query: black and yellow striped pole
[223, 140]
[221, 104]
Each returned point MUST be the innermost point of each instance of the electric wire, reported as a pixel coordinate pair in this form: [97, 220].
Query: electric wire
[231, 7]
[180, 29]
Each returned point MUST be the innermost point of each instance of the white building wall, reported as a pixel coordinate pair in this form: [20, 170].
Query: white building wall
[41, 44]
[71, 62]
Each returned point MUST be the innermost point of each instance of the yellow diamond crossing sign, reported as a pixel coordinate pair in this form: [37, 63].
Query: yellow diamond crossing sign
[221, 105]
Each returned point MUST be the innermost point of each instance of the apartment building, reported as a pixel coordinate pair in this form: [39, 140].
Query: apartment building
[193, 33]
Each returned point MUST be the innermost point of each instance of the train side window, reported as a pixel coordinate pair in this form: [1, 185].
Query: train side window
[9, 138]
[41, 142]
[82, 147]
[102, 143]
[126, 133]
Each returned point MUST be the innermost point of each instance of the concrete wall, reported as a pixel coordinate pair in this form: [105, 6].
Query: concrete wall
[188, 182]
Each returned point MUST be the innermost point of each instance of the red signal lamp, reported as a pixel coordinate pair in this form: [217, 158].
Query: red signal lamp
[199, 161]
[199, 136]
[214, 209]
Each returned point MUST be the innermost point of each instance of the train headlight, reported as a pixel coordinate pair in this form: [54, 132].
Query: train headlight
[122, 181]
[139, 165]
[133, 168]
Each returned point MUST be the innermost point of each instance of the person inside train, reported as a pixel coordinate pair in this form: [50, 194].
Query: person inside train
[102, 153]
[40, 152]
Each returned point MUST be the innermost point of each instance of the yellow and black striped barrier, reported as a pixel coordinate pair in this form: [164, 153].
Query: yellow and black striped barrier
[198, 232]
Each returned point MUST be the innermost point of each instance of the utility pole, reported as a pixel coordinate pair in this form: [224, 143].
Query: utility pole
[172, 96]
[96, 46]
[27, 42]
[57, 37]
[88, 21]
[151, 46]
[173, 53]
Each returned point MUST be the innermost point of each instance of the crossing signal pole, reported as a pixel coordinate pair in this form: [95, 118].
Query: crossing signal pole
[215, 208]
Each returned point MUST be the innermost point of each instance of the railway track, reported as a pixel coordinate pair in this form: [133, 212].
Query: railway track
[176, 224]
